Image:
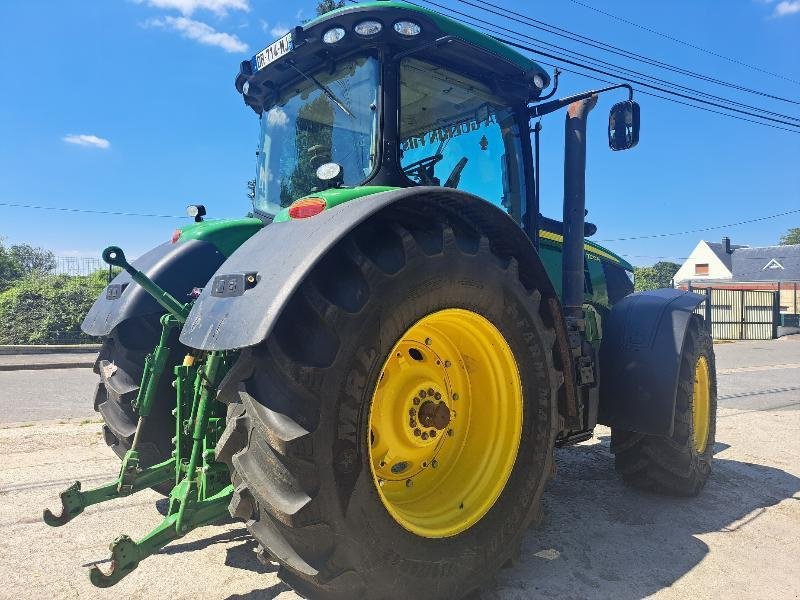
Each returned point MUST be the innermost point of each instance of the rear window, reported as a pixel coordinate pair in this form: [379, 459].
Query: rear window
[617, 282]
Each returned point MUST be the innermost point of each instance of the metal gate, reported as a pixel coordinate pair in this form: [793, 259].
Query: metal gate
[740, 314]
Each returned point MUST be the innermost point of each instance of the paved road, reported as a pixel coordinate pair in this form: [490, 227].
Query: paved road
[739, 539]
[752, 375]
[50, 395]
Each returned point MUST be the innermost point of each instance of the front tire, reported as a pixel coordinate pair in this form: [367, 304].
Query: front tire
[301, 441]
[678, 465]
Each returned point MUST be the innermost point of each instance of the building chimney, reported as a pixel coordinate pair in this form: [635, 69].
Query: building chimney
[726, 245]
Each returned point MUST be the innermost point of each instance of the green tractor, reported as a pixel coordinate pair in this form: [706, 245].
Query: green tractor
[373, 369]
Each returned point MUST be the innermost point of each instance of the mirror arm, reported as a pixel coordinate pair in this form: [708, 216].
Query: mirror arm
[539, 110]
[556, 73]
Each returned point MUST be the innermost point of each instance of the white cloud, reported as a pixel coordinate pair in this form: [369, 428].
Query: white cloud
[264, 25]
[187, 7]
[200, 32]
[83, 139]
[280, 30]
[787, 7]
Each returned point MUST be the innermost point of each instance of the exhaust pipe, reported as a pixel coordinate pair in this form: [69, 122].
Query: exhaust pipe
[574, 205]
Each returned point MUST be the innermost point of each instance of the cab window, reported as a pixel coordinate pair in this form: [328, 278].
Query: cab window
[455, 133]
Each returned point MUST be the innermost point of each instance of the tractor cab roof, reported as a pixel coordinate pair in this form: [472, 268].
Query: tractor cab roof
[334, 35]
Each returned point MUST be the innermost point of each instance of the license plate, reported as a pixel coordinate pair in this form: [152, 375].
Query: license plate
[274, 51]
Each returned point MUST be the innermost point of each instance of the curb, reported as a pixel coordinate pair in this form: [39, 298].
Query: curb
[48, 349]
[43, 366]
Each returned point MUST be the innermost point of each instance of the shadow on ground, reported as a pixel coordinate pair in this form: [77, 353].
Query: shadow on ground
[600, 539]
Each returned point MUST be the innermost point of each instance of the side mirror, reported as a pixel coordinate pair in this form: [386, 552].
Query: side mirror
[623, 125]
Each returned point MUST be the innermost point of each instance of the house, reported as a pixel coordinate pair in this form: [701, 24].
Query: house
[725, 265]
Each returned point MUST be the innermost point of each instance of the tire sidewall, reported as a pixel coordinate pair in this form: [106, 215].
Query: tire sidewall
[481, 283]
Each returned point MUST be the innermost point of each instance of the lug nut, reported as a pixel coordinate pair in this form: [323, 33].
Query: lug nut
[412, 412]
[447, 364]
[438, 396]
[433, 433]
[428, 341]
[422, 393]
[424, 435]
[412, 422]
[434, 464]
[409, 483]
[431, 392]
[417, 432]
[416, 401]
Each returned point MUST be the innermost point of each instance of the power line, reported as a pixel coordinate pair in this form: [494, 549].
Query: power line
[601, 71]
[87, 210]
[660, 235]
[598, 44]
[611, 65]
[685, 43]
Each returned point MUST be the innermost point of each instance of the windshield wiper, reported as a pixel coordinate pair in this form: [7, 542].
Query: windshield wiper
[325, 90]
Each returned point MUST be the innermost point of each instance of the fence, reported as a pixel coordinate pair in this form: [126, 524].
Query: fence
[76, 265]
[738, 314]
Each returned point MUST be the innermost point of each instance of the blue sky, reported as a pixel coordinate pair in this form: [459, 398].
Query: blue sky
[129, 106]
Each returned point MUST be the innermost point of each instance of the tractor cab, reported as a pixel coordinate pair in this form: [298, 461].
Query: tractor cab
[388, 94]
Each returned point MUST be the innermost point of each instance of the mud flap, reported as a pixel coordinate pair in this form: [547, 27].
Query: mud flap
[640, 358]
[246, 295]
[178, 268]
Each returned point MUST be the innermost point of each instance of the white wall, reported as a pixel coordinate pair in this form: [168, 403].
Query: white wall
[702, 254]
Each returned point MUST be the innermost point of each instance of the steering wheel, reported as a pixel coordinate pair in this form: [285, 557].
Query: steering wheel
[423, 169]
[455, 176]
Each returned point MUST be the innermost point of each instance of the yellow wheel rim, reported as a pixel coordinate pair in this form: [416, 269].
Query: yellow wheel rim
[445, 423]
[701, 405]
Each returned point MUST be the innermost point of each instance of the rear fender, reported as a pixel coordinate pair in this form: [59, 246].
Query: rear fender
[178, 268]
[227, 317]
[640, 359]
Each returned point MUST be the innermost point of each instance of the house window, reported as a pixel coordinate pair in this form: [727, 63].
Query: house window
[701, 269]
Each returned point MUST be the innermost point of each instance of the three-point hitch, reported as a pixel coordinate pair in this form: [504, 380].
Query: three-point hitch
[202, 487]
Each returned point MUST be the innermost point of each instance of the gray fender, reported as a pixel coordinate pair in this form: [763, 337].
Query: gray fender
[640, 358]
[175, 267]
[282, 258]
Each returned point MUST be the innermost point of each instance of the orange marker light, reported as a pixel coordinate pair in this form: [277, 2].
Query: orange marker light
[306, 207]
[176, 235]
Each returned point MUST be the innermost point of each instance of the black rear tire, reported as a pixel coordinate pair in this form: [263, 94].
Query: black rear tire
[296, 439]
[673, 465]
[120, 365]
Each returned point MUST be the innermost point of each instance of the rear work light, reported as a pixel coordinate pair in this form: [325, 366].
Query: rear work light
[306, 207]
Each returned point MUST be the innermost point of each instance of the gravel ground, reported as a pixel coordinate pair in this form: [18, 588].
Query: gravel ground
[740, 538]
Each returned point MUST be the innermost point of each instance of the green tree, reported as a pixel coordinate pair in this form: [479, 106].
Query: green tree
[21, 260]
[652, 278]
[50, 309]
[790, 237]
[326, 6]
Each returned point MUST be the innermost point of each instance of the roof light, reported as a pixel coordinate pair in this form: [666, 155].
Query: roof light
[368, 28]
[407, 28]
[306, 207]
[333, 35]
[538, 81]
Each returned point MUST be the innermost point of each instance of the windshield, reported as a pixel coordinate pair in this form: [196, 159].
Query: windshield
[309, 127]
[456, 133]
